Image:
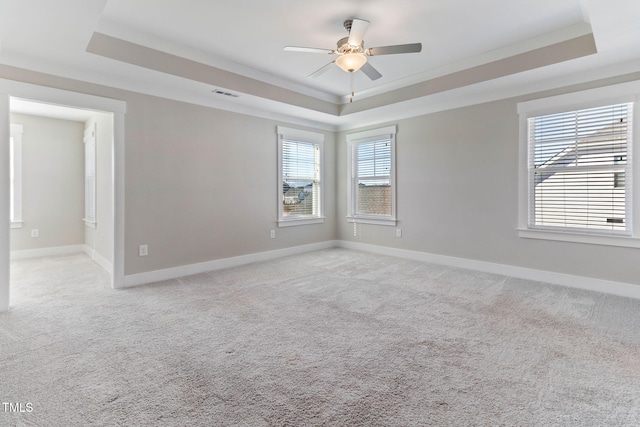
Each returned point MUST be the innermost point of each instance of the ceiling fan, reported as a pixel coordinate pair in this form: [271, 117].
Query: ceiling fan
[352, 53]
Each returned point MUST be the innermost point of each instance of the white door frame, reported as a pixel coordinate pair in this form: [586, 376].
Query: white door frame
[42, 94]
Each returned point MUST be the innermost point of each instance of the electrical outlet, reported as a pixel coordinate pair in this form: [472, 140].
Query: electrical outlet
[143, 250]
[273, 234]
[398, 232]
[35, 233]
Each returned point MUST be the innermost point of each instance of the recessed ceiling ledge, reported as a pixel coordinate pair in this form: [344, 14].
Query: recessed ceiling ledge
[559, 52]
[135, 54]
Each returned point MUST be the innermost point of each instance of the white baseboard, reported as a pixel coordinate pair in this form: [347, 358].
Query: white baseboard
[63, 250]
[587, 283]
[202, 267]
[98, 259]
[57, 250]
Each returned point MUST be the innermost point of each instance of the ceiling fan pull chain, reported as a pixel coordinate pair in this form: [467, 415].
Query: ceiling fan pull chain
[351, 84]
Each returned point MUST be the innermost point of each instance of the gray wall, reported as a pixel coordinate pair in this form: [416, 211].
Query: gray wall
[52, 183]
[457, 195]
[201, 184]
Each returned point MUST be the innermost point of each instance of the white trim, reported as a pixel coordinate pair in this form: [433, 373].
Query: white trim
[173, 87]
[623, 92]
[97, 258]
[218, 264]
[21, 90]
[63, 250]
[374, 221]
[523, 173]
[593, 239]
[371, 133]
[620, 93]
[117, 182]
[632, 183]
[43, 252]
[587, 283]
[300, 221]
[299, 134]
[90, 171]
[5, 195]
[16, 135]
[362, 137]
[49, 95]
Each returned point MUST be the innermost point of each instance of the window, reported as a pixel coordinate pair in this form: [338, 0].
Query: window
[300, 190]
[579, 166]
[371, 163]
[15, 172]
[576, 158]
[90, 176]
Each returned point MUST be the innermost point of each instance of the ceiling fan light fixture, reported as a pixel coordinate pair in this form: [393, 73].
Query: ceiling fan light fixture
[351, 62]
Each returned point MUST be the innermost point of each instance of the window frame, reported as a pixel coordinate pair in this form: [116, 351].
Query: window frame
[609, 95]
[305, 137]
[15, 140]
[353, 140]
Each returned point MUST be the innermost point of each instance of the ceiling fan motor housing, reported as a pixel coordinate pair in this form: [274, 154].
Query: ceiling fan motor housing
[345, 47]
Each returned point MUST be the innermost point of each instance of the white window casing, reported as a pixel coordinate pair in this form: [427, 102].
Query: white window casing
[371, 191]
[90, 176]
[577, 167]
[300, 175]
[15, 169]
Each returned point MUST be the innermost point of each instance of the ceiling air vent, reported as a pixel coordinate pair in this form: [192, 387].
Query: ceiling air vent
[225, 93]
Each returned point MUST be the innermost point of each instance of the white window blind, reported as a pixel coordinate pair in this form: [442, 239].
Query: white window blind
[90, 176]
[372, 183]
[300, 179]
[300, 192]
[579, 168]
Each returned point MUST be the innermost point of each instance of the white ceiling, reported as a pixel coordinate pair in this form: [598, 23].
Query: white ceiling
[253, 33]
[237, 46]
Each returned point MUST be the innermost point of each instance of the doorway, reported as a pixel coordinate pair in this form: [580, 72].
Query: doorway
[111, 254]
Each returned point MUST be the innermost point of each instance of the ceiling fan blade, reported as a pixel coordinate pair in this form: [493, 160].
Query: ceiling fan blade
[371, 72]
[308, 49]
[390, 50]
[356, 34]
[320, 71]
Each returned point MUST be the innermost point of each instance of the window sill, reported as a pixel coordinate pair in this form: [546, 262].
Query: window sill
[592, 239]
[391, 222]
[16, 224]
[300, 221]
[89, 223]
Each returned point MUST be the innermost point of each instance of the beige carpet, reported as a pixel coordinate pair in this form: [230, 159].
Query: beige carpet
[336, 338]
